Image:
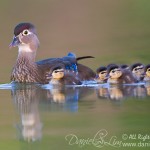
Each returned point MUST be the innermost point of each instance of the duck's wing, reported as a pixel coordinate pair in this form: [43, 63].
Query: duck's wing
[47, 61]
[68, 59]
[67, 63]
[85, 73]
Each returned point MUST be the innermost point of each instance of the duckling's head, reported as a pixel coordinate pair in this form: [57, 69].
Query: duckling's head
[138, 70]
[25, 37]
[124, 66]
[147, 70]
[114, 71]
[58, 73]
[102, 73]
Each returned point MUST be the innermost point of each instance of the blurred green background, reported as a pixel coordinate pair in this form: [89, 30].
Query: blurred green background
[114, 31]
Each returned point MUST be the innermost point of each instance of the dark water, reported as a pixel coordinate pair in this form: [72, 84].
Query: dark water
[46, 117]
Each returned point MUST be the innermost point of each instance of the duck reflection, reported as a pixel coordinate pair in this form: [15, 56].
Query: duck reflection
[116, 92]
[120, 92]
[28, 98]
[139, 91]
[65, 98]
[102, 93]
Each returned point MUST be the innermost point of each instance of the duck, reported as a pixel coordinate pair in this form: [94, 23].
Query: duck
[27, 70]
[101, 75]
[137, 70]
[117, 75]
[59, 76]
[124, 66]
[147, 73]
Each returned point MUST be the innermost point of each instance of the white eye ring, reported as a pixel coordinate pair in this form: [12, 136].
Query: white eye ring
[25, 32]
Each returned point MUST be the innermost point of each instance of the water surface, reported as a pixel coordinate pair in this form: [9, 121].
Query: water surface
[45, 117]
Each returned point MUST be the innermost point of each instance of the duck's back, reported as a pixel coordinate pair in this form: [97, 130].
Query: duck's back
[84, 72]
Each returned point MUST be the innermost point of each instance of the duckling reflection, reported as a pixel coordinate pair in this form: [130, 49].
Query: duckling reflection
[62, 99]
[70, 94]
[26, 99]
[57, 94]
[116, 92]
[119, 92]
[147, 86]
[102, 92]
[139, 91]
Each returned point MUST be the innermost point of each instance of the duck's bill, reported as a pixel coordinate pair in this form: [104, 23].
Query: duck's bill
[15, 42]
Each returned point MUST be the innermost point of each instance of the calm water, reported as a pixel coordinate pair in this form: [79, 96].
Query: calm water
[82, 117]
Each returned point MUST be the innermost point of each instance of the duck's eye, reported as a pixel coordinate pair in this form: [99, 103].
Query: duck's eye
[148, 69]
[56, 71]
[103, 72]
[25, 32]
[113, 71]
[136, 69]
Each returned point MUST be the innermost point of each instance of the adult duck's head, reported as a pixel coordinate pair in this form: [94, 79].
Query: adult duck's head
[25, 38]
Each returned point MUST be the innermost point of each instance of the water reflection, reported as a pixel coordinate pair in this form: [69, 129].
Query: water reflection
[147, 86]
[119, 92]
[28, 97]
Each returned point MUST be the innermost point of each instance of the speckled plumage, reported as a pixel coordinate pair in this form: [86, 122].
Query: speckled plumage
[27, 71]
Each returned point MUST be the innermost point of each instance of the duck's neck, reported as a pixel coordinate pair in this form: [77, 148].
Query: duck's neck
[25, 69]
[25, 52]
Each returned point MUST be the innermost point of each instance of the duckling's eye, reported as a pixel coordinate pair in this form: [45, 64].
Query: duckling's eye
[56, 71]
[113, 71]
[136, 69]
[148, 70]
[102, 72]
[25, 32]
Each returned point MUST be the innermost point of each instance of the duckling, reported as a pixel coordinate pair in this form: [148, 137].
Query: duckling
[147, 73]
[26, 70]
[101, 75]
[137, 70]
[58, 76]
[117, 75]
[124, 66]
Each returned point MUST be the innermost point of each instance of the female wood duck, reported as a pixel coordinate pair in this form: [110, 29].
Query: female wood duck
[147, 73]
[59, 76]
[117, 75]
[101, 73]
[27, 70]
